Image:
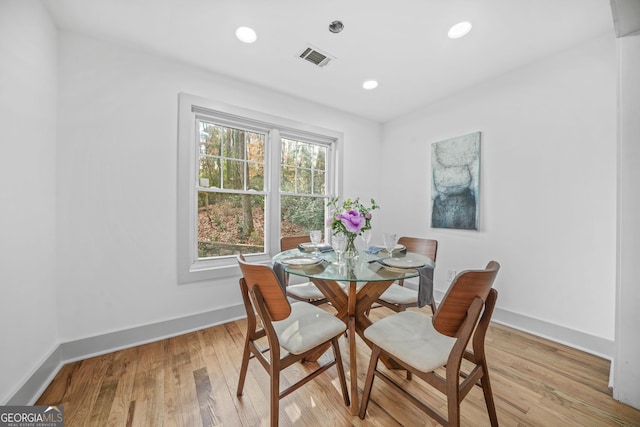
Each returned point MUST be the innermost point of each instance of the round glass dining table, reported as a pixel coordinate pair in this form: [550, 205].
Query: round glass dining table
[352, 287]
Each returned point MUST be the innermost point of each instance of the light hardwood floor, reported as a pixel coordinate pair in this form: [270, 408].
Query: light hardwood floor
[190, 380]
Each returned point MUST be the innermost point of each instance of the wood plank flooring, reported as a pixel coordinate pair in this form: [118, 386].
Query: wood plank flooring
[190, 380]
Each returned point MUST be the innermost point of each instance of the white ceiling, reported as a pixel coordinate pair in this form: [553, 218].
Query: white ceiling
[403, 44]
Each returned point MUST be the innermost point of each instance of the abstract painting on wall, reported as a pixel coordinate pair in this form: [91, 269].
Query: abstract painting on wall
[455, 182]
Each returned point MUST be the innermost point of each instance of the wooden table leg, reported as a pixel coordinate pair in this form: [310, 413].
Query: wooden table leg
[351, 306]
[353, 353]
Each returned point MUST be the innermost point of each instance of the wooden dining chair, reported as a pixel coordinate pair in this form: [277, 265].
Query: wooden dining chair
[293, 331]
[398, 297]
[307, 291]
[422, 344]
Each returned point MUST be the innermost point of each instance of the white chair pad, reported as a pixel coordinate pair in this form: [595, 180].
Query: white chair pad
[396, 294]
[306, 327]
[410, 336]
[307, 291]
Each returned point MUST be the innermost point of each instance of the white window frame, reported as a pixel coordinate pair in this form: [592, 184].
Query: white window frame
[190, 108]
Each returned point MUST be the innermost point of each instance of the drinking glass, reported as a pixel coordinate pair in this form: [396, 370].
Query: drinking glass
[339, 243]
[366, 238]
[390, 241]
[316, 237]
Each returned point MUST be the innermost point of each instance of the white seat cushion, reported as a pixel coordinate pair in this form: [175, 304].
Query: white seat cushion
[345, 286]
[396, 294]
[306, 327]
[411, 337]
[307, 291]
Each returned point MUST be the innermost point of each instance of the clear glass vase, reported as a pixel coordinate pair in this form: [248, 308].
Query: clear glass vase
[350, 251]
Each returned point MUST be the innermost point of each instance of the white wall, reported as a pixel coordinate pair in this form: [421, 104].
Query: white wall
[627, 362]
[28, 319]
[108, 189]
[117, 182]
[548, 186]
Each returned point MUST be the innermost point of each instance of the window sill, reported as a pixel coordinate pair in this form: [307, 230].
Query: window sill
[219, 269]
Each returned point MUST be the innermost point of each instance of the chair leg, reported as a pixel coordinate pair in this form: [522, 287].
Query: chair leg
[243, 367]
[340, 367]
[375, 355]
[453, 399]
[401, 308]
[274, 373]
[488, 395]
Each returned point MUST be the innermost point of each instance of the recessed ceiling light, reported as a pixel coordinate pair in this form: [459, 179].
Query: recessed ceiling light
[246, 35]
[370, 84]
[459, 30]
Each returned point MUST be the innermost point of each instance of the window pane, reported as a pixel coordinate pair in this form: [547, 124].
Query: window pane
[255, 176]
[288, 152]
[230, 224]
[288, 179]
[305, 155]
[233, 143]
[303, 181]
[209, 172]
[255, 147]
[233, 175]
[321, 158]
[303, 167]
[210, 139]
[319, 184]
[301, 214]
[231, 158]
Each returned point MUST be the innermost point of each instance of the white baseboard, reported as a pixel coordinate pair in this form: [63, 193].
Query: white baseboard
[571, 338]
[106, 343]
[102, 344]
[591, 344]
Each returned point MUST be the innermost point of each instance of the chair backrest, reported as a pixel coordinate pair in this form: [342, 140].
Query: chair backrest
[466, 286]
[426, 247]
[265, 279]
[292, 242]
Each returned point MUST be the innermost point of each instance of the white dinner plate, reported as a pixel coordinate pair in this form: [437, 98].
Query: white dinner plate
[310, 247]
[405, 262]
[301, 261]
[396, 248]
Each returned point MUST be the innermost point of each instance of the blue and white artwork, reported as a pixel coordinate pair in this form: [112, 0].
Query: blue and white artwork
[455, 182]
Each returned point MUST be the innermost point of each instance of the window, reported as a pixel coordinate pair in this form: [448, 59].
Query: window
[303, 186]
[244, 180]
[231, 190]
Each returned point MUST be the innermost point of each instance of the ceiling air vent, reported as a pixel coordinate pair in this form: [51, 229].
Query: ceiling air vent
[316, 56]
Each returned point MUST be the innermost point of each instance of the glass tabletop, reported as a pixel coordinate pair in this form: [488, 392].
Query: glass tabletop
[365, 268]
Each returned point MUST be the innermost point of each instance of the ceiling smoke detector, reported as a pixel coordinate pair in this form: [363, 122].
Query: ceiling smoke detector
[316, 56]
[336, 27]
